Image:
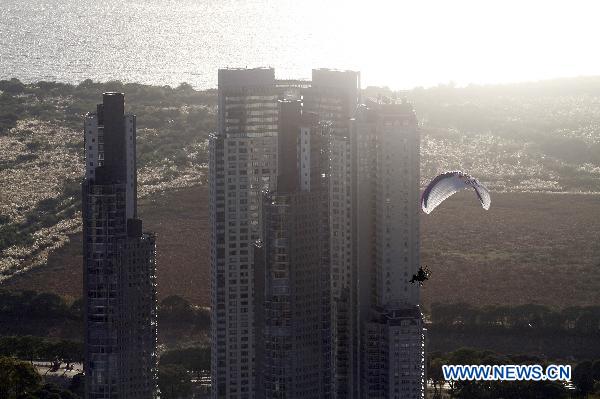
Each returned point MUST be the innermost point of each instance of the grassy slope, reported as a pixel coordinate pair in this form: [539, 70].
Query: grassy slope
[527, 137]
[180, 220]
[41, 157]
[529, 248]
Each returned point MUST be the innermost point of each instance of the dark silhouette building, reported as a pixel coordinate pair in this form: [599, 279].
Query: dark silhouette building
[334, 96]
[291, 265]
[119, 265]
[314, 205]
[244, 157]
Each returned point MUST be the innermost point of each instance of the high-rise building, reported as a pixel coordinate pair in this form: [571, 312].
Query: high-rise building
[387, 251]
[119, 262]
[288, 216]
[243, 163]
[334, 96]
[292, 291]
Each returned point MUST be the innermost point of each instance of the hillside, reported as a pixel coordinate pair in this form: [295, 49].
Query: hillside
[178, 217]
[528, 248]
[522, 138]
[41, 156]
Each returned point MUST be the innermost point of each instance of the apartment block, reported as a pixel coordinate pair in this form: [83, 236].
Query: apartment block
[293, 352]
[242, 164]
[387, 251]
[314, 215]
[334, 96]
[119, 263]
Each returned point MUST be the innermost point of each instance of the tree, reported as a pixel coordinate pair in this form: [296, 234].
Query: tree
[76, 308]
[582, 378]
[47, 305]
[36, 348]
[17, 378]
[173, 381]
[436, 375]
[51, 391]
[13, 86]
[550, 389]
[196, 359]
[185, 87]
[77, 385]
[596, 370]
[68, 351]
[174, 308]
[464, 356]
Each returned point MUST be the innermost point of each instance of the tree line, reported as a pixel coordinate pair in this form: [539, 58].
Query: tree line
[180, 116]
[21, 380]
[585, 377]
[20, 311]
[23, 313]
[33, 313]
[583, 320]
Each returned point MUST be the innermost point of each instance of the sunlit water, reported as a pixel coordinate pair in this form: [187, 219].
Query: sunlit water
[395, 43]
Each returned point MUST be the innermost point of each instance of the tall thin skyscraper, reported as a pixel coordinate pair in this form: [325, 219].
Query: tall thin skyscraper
[243, 163]
[293, 350]
[119, 262]
[387, 248]
[334, 96]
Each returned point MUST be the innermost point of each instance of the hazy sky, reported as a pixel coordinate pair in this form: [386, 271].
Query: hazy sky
[397, 43]
[475, 41]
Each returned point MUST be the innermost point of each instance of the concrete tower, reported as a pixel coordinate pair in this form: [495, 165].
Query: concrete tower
[245, 158]
[292, 271]
[119, 262]
[334, 96]
[387, 251]
[243, 163]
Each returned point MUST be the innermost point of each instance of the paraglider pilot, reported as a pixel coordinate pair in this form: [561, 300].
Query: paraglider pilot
[422, 275]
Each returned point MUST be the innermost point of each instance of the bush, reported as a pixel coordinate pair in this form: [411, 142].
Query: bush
[37, 348]
[196, 359]
[17, 378]
[13, 86]
[175, 309]
[173, 381]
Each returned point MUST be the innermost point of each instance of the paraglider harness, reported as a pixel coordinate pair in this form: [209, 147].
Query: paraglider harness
[422, 275]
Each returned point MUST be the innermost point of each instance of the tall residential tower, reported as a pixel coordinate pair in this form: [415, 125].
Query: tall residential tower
[387, 251]
[244, 166]
[314, 214]
[291, 268]
[243, 163]
[334, 96]
[119, 266]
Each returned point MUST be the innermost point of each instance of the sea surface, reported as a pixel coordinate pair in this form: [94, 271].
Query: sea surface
[400, 44]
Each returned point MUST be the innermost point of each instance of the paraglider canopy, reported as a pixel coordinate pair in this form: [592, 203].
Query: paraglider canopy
[449, 183]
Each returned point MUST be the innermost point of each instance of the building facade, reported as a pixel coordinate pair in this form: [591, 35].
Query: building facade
[334, 96]
[242, 164]
[119, 262]
[283, 211]
[387, 251]
[293, 352]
